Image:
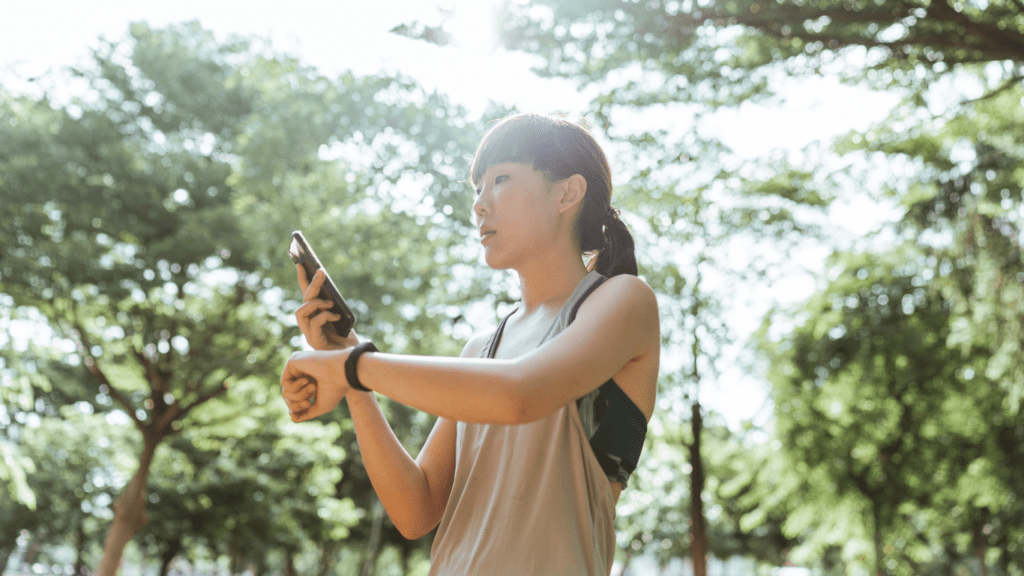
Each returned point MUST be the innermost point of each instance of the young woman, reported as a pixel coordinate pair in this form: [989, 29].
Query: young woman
[541, 422]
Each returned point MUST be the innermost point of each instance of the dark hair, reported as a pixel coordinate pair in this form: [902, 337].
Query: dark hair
[560, 149]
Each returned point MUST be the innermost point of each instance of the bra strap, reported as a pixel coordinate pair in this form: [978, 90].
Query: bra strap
[576, 307]
[493, 348]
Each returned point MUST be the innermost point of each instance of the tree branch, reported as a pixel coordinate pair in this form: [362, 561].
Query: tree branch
[146, 364]
[210, 395]
[84, 349]
[989, 35]
[1008, 85]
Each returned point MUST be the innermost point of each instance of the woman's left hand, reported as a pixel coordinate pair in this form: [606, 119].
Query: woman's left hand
[313, 383]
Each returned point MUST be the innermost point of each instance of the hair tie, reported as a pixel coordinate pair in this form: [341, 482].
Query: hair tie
[611, 213]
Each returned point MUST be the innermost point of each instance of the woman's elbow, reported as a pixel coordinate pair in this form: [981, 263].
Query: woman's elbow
[413, 533]
[415, 528]
[526, 404]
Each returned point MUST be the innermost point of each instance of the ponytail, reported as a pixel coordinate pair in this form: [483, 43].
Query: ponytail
[618, 256]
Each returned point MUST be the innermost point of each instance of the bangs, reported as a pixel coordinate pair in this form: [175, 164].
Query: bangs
[528, 139]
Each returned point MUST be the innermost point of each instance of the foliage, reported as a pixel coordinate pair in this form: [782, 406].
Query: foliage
[951, 156]
[703, 51]
[961, 182]
[149, 217]
[236, 487]
[888, 427]
[78, 461]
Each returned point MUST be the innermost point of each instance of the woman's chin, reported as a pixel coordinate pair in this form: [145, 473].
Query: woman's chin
[495, 262]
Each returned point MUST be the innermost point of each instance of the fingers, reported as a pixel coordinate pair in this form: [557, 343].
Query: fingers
[313, 307]
[303, 282]
[313, 289]
[299, 395]
[312, 314]
[300, 391]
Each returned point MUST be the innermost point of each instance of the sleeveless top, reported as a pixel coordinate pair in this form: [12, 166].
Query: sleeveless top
[529, 498]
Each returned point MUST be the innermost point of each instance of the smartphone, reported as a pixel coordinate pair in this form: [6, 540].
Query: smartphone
[302, 254]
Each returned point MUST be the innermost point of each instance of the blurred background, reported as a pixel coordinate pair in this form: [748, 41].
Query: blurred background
[826, 196]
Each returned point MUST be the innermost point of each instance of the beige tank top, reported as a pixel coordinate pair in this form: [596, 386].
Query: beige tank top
[529, 498]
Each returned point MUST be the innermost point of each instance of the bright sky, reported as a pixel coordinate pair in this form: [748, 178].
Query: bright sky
[353, 35]
[333, 36]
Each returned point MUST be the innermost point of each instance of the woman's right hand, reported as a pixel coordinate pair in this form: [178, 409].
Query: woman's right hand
[314, 318]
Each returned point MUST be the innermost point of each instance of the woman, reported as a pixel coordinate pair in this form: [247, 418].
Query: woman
[541, 422]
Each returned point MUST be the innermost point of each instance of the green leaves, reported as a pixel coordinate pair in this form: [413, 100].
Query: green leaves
[149, 220]
[869, 396]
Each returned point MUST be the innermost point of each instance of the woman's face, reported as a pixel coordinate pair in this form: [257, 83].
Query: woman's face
[515, 210]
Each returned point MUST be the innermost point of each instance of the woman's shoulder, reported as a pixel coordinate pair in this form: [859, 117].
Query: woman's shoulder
[623, 304]
[629, 290]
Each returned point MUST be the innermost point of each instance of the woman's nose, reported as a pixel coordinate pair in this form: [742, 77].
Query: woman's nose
[478, 207]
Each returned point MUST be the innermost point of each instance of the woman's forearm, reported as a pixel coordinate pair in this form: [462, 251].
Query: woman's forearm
[396, 477]
[461, 389]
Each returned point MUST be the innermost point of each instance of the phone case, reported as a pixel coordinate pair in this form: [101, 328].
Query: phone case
[302, 254]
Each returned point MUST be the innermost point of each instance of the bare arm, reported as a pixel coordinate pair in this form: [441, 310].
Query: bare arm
[414, 492]
[617, 325]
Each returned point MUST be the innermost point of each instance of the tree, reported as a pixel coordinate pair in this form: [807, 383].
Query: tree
[140, 219]
[724, 53]
[962, 196]
[248, 487]
[77, 460]
[150, 217]
[14, 465]
[702, 225]
[953, 163]
[962, 202]
[114, 250]
[886, 424]
[725, 50]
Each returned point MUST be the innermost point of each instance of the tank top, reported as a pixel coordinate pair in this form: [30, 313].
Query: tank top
[527, 498]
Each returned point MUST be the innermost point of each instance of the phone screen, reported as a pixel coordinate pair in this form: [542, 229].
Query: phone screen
[300, 253]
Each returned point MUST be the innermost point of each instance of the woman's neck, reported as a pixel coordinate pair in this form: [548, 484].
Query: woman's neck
[548, 284]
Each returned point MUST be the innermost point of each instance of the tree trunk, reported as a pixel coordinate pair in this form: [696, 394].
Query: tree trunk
[699, 543]
[129, 511]
[373, 547]
[79, 548]
[979, 549]
[167, 556]
[289, 564]
[328, 555]
[34, 546]
[407, 548]
[876, 509]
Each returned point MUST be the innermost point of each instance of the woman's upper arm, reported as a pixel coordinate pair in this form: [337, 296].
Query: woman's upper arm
[437, 458]
[614, 326]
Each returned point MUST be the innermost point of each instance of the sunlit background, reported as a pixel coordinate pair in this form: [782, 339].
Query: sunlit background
[474, 72]
[834, 235]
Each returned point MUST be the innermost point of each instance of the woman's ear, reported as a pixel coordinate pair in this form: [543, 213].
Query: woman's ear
[574, 188]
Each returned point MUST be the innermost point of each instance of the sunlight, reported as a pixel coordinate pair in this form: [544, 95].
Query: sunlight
[474, 27]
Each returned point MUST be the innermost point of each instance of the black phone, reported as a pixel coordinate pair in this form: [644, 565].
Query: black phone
[302, 254]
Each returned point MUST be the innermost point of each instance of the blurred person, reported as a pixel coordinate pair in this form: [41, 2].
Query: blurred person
[540, 422]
